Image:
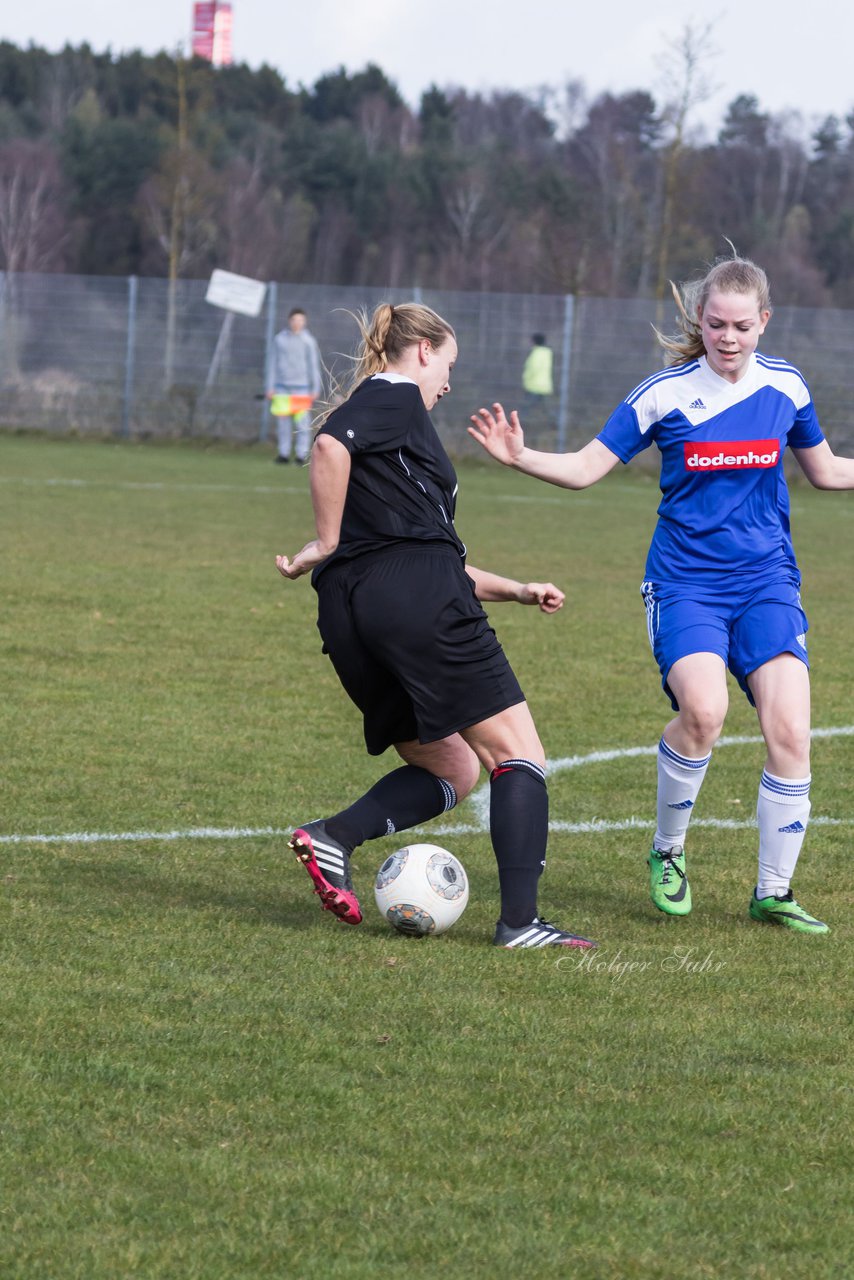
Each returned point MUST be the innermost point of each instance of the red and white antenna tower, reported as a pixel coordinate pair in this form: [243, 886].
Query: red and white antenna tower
[212, 31]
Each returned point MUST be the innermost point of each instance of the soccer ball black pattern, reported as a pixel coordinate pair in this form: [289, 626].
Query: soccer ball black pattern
[421, 889]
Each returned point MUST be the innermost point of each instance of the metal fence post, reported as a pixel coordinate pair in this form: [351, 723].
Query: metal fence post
[127, 399]
[3, 358]
[565, 357]
[268, 359]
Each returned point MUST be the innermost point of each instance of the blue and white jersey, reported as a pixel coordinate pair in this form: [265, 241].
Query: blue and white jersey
[725, 504]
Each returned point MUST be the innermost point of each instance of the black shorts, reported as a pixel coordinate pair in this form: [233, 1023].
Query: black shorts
[412, 645]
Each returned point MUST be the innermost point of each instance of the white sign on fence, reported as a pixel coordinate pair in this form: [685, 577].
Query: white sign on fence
[236, 293]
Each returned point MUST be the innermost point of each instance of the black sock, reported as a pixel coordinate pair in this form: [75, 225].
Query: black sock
[519, 827]
[402, 799]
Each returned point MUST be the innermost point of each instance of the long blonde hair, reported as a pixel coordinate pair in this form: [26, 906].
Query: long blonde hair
[728, 275]
[390, 330]
[385, 336]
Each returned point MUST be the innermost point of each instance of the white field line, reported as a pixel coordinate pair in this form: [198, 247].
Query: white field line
[106, 837]
[595, 826]
[479, 801]
[480, 798]
[178, 486]
[536, 499]
[155, 486]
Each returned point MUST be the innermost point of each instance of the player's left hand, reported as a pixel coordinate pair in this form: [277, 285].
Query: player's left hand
[304, 561]
[545, 594]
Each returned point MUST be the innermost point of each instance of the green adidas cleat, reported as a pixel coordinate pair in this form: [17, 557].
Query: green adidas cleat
[783, 910]
[668, 883]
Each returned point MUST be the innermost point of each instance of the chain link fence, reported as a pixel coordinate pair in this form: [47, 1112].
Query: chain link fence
[101, 355]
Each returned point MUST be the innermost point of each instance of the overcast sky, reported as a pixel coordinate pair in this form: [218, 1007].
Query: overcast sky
[791, 56]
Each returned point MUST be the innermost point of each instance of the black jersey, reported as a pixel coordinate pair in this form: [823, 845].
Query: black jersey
[402, 487]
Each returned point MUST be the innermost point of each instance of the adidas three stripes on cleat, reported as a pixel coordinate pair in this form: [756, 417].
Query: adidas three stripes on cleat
[328, 864]
[539, 933]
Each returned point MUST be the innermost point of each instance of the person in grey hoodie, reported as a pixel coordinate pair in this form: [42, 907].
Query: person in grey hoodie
[294, 383]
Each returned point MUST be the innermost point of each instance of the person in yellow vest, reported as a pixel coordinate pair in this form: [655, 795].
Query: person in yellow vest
[537, 374]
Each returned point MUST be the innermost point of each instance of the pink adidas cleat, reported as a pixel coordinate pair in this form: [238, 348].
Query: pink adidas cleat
[328, 864]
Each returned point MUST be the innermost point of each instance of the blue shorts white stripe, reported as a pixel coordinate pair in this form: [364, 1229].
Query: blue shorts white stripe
[745, 624]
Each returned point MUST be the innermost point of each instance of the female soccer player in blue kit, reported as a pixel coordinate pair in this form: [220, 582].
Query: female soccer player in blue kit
[721, 584]
[400, 616]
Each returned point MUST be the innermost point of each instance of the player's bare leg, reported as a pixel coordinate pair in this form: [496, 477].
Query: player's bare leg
[698, 683]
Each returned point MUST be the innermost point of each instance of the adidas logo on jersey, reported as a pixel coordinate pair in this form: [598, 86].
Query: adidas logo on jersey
[696, 404]
[731, 455]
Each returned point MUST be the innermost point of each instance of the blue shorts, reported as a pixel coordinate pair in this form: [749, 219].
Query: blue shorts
[745, 626]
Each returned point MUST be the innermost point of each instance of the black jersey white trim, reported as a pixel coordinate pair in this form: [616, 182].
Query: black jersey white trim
[417, 482]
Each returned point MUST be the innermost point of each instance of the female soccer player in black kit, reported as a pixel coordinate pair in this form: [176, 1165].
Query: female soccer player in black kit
[400, 616]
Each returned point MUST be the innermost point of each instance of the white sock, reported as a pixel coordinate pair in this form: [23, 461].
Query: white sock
[679, 782]
[782, 811]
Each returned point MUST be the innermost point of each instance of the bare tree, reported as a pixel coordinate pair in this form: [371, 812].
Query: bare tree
[616, 148]
[793, 163]
[687, 85]
[262, 234]
[479, 223]
[384, 126]
[32, 230]
[32, 221]
[66, 79]
[180, 202]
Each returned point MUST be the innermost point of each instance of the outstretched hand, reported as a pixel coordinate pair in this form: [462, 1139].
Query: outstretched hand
[500, 436]
[545, 594]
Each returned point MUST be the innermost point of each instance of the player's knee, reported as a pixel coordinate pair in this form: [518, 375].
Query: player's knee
[450, 760]
[464, 775]
[703, 721]
[790, 739]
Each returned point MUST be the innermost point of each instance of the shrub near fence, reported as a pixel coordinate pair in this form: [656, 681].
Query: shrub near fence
[97, 355]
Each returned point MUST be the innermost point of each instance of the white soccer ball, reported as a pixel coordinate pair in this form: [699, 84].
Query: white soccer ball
[421, 889]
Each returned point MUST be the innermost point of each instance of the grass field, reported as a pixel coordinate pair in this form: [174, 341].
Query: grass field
[204, 1077]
